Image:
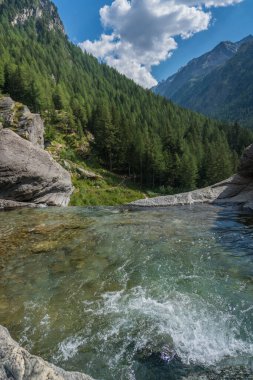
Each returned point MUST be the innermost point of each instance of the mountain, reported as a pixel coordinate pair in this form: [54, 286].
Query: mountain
[96, 117]
[40, 11]
[205, 83]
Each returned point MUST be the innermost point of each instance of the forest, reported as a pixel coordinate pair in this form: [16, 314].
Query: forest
[136, 133]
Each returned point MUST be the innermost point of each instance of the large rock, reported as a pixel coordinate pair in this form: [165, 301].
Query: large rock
[28, 174]
[235, 190]
[18, 117]
[10, 205]
[17, 364]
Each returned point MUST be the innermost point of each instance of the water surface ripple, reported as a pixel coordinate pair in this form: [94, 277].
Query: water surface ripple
[134, 295]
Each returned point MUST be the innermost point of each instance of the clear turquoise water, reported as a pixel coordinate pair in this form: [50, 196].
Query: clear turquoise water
[147, 295]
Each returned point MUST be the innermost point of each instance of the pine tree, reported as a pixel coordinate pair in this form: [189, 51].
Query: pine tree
[105, 133]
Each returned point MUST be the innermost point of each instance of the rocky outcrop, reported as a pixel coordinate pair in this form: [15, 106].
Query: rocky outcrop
[235, 190]
[80, 172]
[18, 117]
[28, 174]
[87, 174]
[17, 364]
[40, 10]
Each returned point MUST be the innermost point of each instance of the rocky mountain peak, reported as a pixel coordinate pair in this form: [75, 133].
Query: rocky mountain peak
[226, 46]
[247, 39]
[24, 10]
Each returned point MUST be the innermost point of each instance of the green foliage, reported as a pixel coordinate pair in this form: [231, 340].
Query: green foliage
[138, 134]
[110, 190]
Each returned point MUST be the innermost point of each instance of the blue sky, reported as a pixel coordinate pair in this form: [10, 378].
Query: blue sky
[122, 46]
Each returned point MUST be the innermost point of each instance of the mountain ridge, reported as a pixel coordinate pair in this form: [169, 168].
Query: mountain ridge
[198, 86]
[226, 92]
[199, 67]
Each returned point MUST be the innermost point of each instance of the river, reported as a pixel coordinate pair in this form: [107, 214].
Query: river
[149, 294]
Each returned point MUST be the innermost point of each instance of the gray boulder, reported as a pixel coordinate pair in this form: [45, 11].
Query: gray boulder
[28, 174]
[18, 117]
[236, 190]
[17, 364]
[10, 205]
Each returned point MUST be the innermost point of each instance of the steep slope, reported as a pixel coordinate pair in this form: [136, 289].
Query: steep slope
[95, 115]
[227, 92]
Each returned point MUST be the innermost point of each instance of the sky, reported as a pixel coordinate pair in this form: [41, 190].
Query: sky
[149, 40]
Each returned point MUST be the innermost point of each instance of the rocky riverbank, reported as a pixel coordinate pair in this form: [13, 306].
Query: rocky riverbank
[28, 174]
[236, 190]
[17, 364]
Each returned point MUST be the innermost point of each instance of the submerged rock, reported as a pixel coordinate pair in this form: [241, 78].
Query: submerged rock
[165, 354]
[17, 364]
[44, 246]
[28, 174]
[236, 190]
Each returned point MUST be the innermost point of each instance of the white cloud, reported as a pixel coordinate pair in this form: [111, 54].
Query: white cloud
[208, 3]
[141, 32]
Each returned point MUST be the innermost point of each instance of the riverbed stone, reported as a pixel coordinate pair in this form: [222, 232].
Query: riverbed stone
[18, 364]
[44, 246]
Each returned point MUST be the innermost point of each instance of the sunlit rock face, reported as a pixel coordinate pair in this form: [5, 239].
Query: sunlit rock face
[26, 124]
[29, 174]
[42, 9]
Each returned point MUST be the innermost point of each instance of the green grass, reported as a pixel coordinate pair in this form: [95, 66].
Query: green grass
[109, 191]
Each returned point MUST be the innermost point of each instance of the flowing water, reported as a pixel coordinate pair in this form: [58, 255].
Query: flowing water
[147, 294]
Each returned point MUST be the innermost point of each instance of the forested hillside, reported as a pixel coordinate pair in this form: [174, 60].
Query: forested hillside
[136, 133]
